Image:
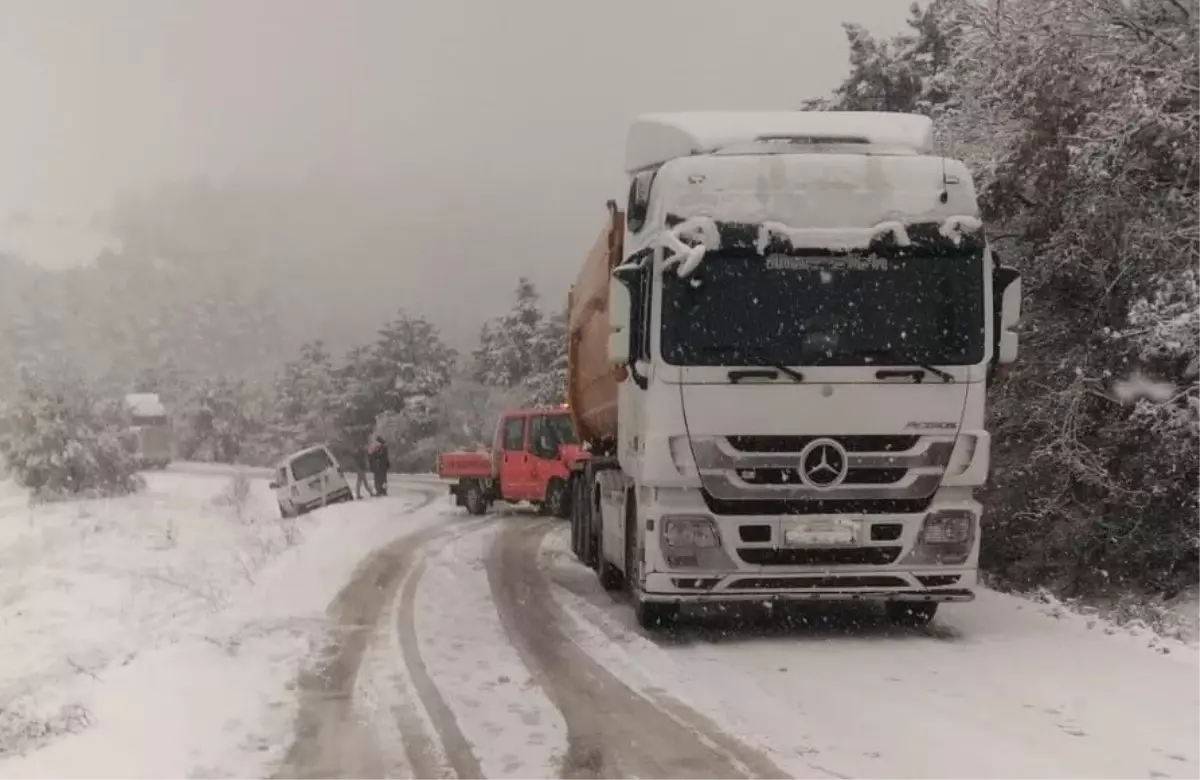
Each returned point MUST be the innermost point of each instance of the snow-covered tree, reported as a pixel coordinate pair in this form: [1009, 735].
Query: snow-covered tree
[306, 400]
[223, 420]
[910, 72]
[59, 440]
[524, 350]
[1080, 121]
[506, 355]
[548, 384]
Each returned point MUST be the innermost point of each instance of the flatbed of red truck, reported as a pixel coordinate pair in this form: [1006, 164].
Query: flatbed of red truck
[462, 464]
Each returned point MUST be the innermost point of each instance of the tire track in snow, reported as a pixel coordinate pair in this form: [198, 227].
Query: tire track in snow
[328, 741]
[458, 749]
[612, 730]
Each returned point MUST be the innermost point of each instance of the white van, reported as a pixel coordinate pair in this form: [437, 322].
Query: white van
[309, 479]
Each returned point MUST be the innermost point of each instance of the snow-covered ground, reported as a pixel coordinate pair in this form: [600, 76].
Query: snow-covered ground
[179, 635]
[1002, 687]
[165, 628]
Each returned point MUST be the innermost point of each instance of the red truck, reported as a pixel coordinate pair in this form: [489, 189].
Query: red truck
[531, 458]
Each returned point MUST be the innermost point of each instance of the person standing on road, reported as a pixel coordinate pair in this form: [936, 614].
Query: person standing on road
[379, 463]
[360, 468]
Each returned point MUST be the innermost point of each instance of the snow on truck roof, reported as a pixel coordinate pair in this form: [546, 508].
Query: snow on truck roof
[655, 138]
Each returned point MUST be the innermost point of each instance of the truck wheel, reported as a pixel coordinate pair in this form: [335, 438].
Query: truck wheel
[611, 578]
[558, 503]
[575, 512]
[655, 614]
[911, 613]
[473, 498]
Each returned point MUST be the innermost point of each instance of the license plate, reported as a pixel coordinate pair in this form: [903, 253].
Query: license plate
[822, 533]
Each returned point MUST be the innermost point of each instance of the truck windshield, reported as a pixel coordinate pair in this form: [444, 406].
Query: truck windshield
[561, 428]
[812, 310]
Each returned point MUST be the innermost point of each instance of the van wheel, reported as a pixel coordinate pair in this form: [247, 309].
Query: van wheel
[558, 503]
[913, 614]
[473, 498]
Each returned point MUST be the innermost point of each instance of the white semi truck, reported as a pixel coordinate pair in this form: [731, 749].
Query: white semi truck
[779, 355]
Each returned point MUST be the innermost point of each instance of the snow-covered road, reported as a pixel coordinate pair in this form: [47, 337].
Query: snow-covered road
[478, 647]
[508, 660]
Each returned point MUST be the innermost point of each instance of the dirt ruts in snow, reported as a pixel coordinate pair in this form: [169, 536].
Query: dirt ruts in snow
[329, 740]
[612, 730]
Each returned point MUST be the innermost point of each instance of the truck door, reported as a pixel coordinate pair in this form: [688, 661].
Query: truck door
[514, 460]
[543, 454]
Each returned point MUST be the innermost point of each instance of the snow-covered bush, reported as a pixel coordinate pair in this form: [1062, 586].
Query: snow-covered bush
[59, 441]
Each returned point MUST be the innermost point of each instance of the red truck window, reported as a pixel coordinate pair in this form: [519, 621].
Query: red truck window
[514, 433]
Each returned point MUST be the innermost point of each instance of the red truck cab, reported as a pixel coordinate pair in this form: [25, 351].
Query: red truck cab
[530, 460]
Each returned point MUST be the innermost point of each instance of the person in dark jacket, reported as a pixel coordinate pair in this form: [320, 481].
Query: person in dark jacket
[360, 468]
[379, 462]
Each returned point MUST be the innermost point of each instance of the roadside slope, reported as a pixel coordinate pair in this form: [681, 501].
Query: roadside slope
[210, 696]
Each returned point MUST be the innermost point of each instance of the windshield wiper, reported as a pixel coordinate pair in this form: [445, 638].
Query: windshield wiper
[771, 372]
[918, 374]
[768, 370]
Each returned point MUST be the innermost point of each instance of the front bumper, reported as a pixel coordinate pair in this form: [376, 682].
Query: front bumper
[867, 585]
[755, 561]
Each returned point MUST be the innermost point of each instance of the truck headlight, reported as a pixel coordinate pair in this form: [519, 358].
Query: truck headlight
[686, 532]
[945, 539]
[946, 528]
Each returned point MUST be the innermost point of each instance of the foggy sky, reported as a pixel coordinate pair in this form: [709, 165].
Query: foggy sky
[502, 121]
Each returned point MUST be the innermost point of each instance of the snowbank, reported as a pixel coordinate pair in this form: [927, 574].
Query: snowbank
[166, 628]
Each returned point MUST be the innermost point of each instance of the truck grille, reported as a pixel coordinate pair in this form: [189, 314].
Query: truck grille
[798, 443]
[883, 468]
[769, 506]
[792, 476]
[819, 556]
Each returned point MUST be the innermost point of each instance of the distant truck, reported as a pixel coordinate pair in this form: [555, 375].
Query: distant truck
[530, 460]
[149, 434]
[778, 360]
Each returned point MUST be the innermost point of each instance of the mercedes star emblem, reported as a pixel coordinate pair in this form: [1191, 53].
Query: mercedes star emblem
[823, 464]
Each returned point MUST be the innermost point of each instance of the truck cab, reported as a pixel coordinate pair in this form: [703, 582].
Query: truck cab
[804, 313]
[529, 461]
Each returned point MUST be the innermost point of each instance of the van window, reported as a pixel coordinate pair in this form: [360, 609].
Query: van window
[514, 433]
[310, 464]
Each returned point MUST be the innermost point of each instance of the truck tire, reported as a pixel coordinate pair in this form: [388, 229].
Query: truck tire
[592, 540]
[473, 498]
[558, 501]
[653, 615]
[913, 614]
[577, 507]
[611, 578]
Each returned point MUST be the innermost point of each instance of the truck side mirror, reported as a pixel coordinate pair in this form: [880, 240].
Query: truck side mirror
[273, 485]
[1009, 291]
[619, 311]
